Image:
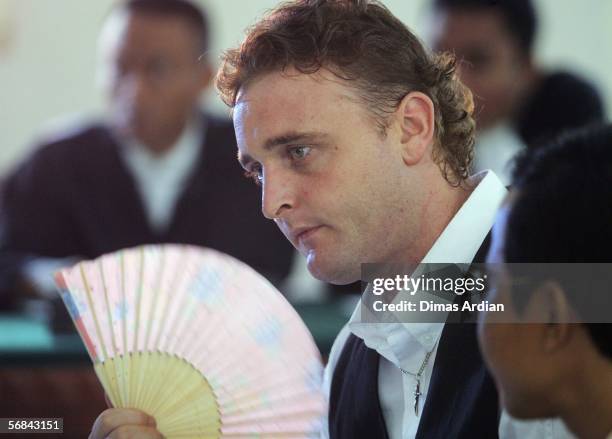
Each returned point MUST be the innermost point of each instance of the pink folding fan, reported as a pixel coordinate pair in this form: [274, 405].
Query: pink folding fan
[198, 340]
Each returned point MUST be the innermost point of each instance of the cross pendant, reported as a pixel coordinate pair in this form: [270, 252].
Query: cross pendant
[417, 393]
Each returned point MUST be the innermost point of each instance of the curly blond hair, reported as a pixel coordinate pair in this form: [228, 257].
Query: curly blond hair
[362, 42]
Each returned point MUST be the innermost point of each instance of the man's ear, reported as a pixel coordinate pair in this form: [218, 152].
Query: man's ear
[417, 126]
[550, 307]
[206, 73]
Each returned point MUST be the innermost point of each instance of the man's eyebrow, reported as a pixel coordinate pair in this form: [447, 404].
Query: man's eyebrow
[292, 137]
[283, 139]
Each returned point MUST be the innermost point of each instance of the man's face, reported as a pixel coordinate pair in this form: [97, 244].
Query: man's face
[152, 75]
[525, 377]
[329, 178]
[491, 62]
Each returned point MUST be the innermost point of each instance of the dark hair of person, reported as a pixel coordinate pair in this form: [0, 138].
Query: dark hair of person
[518, 15]
[361, 42]
[562, 213]
[182, 9]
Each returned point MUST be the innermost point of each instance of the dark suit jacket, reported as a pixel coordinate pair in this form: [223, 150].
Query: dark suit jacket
[75, 197]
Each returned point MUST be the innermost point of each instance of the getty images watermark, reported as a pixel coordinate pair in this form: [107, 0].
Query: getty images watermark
[459, 292]
[422, 284]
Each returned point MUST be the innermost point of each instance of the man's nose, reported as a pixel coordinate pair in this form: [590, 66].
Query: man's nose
[277, 195]
[133, 89]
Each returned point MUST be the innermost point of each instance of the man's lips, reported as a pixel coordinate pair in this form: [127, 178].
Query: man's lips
[301, 234]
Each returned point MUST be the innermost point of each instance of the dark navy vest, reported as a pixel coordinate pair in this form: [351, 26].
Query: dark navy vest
[461, 403]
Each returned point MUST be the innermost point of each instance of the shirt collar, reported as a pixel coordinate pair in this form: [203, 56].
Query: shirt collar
[458, 243]
[161, 178]
[462, 237]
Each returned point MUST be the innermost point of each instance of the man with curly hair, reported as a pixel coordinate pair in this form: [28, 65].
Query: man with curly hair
[361, 141]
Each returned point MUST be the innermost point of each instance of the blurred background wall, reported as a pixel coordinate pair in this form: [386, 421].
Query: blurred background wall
[48, 54]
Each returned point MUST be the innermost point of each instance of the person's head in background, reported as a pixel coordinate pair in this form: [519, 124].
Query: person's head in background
[359, 137]
[154, 68]
[493, 40]
[560, 211]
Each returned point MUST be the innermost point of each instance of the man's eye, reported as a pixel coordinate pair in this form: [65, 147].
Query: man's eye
[159, 69]
[477, 60]
[255, 174]
[299, 152]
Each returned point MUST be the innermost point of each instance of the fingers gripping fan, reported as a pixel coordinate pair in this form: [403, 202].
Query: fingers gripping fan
[198, 340]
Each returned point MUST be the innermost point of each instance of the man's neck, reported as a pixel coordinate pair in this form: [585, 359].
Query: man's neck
[441, 205]
[164, 144]
[161, 145]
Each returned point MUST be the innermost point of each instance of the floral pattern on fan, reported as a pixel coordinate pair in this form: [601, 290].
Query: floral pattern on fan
[197, 339]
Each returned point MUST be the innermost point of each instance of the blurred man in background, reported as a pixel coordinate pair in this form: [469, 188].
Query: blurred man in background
[155, 170]
[517, 103]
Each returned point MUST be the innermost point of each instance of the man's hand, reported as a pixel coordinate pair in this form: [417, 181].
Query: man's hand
[124, 424]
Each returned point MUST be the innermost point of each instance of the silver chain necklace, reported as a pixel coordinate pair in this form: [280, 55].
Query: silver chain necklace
[417, 377]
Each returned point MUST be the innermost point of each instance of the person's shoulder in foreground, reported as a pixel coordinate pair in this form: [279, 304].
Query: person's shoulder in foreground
[557, 361]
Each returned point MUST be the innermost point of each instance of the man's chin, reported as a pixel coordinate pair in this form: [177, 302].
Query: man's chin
[523, 407]
[126, 130]
[132, 129]
[330, 270]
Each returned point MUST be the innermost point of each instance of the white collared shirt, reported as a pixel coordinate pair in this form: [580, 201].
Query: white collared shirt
[405, 345]
[160, 179]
